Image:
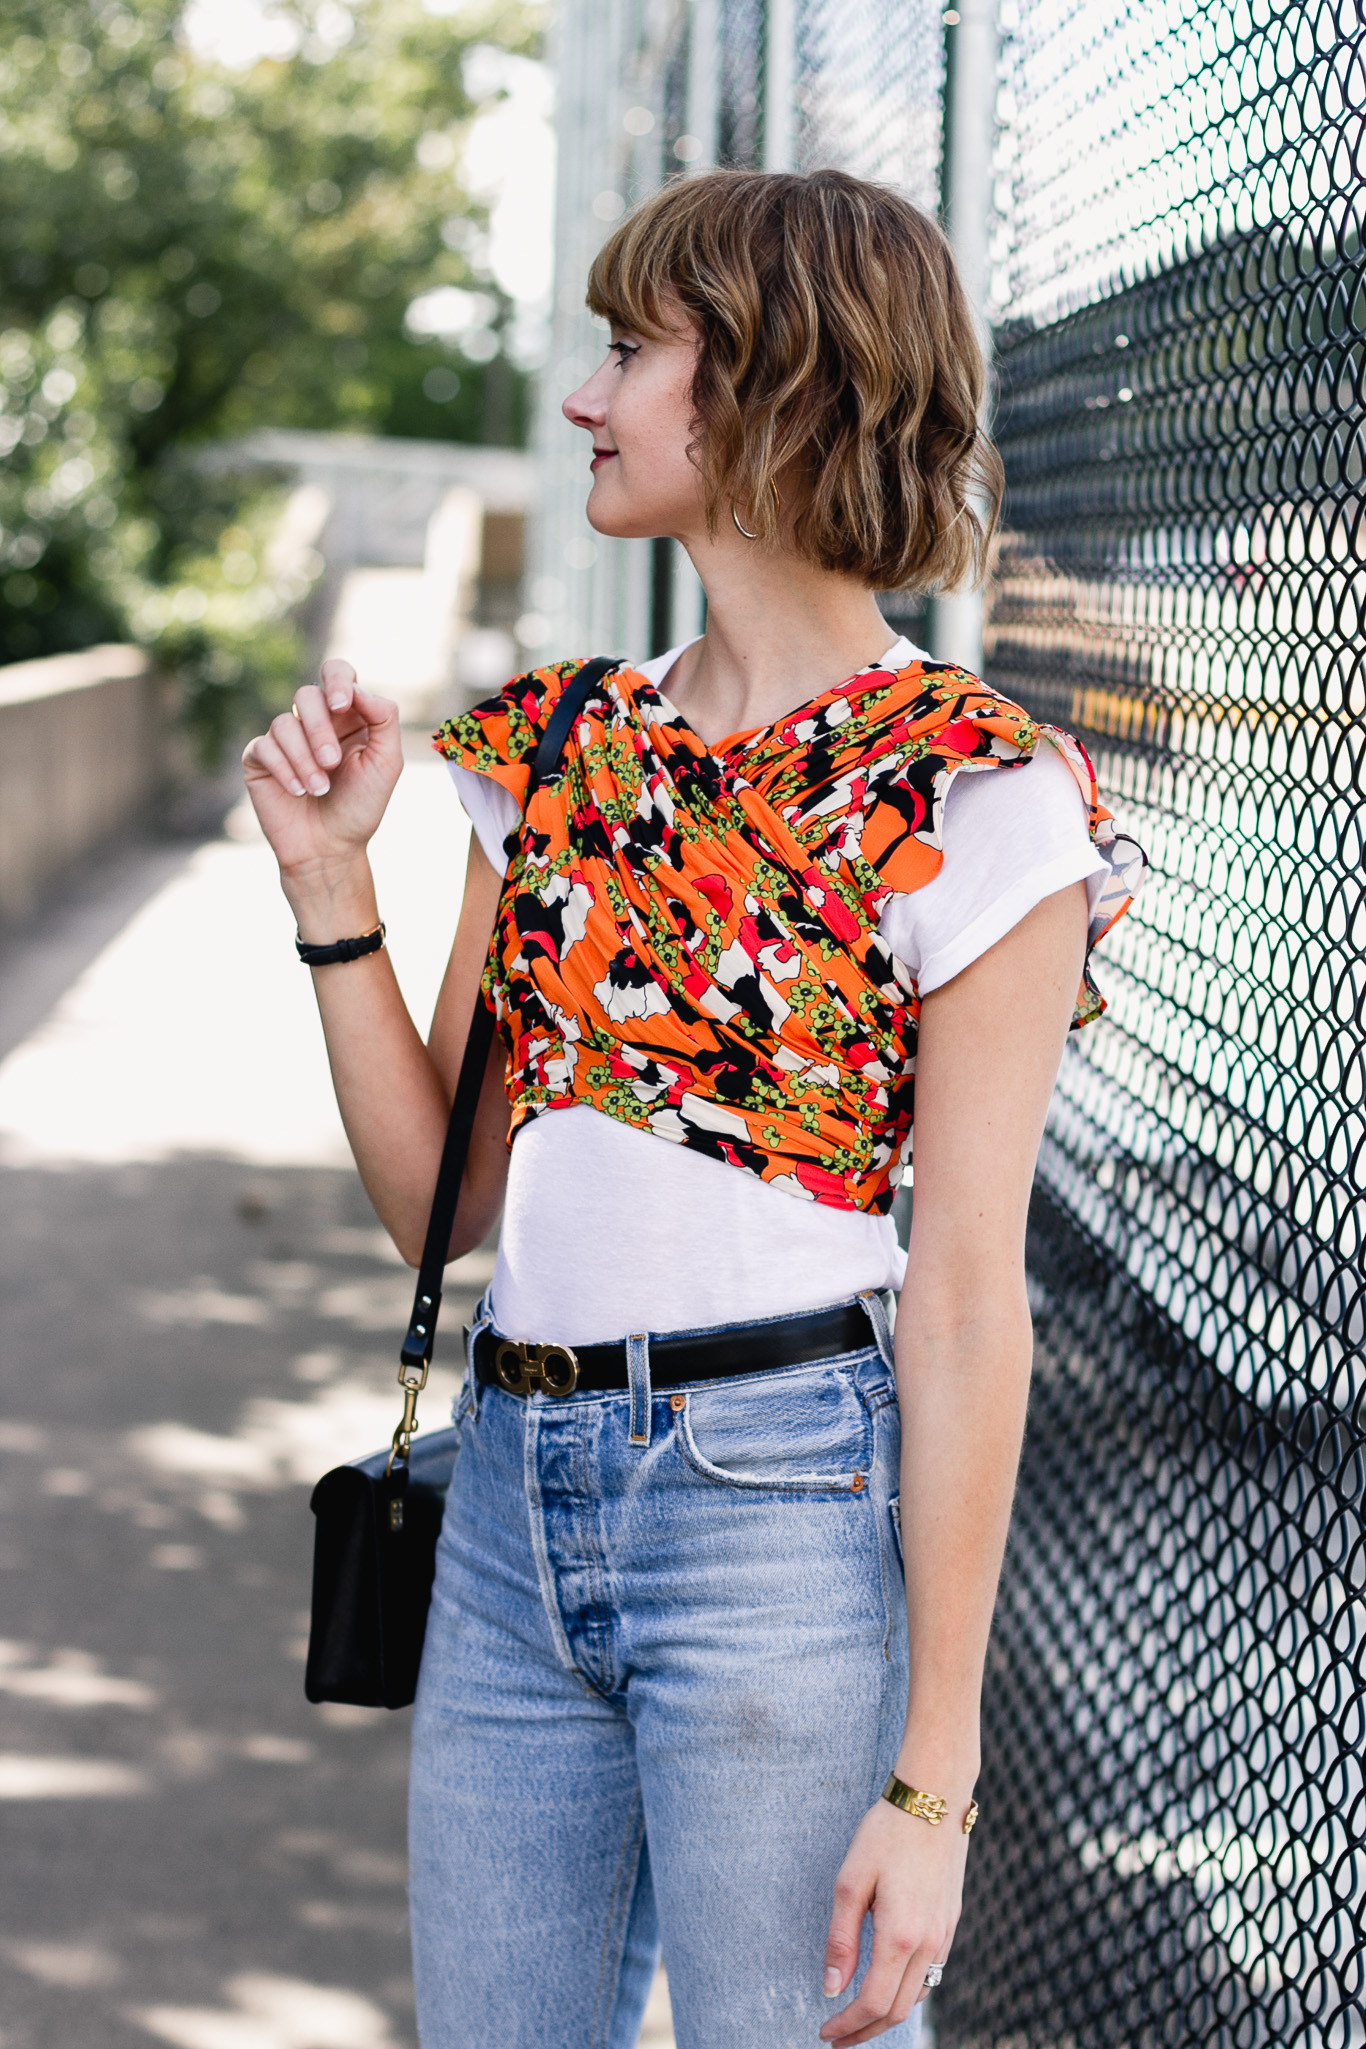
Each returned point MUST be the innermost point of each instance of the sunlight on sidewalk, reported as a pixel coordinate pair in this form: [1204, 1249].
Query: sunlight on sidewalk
[273, 2013]
[195, 1030]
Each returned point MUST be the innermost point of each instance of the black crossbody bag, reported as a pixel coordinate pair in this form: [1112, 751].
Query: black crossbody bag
[376, 1521]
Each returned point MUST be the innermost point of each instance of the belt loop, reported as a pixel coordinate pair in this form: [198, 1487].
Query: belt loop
[482, 1320]
[638, 1375]
[876, 1310]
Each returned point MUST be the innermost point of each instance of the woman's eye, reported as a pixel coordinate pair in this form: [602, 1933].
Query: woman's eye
[621, 350]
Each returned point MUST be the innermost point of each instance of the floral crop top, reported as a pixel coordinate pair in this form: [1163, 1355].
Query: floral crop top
[687, 939]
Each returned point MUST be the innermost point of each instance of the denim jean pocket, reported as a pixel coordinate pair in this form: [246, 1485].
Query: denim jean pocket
[463, 1408]
[466, 1403]
[808, 1430]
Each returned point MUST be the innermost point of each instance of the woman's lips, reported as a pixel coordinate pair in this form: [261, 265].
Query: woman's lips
[601, 455]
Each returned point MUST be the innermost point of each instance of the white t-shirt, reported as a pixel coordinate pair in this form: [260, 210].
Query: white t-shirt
[609, 1230]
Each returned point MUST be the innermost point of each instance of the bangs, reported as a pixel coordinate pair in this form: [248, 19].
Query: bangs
[639, 277]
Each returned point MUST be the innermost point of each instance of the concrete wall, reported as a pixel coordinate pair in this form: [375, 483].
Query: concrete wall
[82, 756]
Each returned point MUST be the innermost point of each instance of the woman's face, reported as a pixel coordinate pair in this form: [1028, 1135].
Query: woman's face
[638, 409]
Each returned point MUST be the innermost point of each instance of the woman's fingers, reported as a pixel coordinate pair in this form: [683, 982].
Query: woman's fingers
[311, 712]
[911, 1991]
[910, 1879]
[329, 725]
[330, 712]
[350, 789]
[376, 728]
[338, 682]
[291, 737]
[263, 756]
[377, 712]
[852, 1901]
[894, 1952]
[895, 1984]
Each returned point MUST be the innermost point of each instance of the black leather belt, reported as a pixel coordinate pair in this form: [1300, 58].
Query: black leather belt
[520, 1368]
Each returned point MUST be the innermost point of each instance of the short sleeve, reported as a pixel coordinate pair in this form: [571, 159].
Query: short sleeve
[499, 737]
[1010, 838]
[490, 749]
[492, 811]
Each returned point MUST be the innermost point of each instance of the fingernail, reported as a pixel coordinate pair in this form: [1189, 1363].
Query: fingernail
[337, 703]
[319, 785]
[832, 1982]
[297, 788]
[329, 756]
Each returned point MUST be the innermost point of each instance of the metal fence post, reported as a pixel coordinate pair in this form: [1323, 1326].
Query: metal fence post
[780, 80]
[970, 53]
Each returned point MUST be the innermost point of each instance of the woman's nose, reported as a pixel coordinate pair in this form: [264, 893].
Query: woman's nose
[587, 406]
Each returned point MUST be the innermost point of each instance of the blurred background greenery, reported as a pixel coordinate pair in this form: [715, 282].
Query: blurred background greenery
[190, 250]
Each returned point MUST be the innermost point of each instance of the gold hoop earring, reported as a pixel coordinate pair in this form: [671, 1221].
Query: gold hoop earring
[778, 505]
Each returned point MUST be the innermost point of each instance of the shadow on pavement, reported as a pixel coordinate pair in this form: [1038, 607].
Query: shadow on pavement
[194, 1854]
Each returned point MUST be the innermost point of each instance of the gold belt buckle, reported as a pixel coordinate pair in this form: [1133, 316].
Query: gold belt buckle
[521, 1368]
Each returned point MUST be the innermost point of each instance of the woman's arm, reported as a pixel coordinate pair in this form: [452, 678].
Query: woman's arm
[989, 1048]
[320, 784]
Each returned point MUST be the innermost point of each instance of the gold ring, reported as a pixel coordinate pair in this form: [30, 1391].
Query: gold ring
[295, 709]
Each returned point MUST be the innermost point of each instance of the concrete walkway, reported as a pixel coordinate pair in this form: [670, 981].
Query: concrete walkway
[200, 1316]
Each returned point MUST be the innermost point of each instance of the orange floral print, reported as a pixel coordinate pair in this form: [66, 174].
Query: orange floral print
[687, 937]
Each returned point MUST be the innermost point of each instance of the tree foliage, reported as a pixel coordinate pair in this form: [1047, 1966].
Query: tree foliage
[188, 252]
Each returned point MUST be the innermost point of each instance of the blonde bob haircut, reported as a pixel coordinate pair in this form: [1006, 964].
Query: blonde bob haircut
[838, 359]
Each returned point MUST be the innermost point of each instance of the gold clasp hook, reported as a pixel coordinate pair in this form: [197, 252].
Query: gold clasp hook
[403, 1436]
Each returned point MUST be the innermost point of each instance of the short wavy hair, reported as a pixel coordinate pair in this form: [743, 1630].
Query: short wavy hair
[837, 349]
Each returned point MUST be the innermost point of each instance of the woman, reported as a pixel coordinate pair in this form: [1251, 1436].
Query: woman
[669, 1664]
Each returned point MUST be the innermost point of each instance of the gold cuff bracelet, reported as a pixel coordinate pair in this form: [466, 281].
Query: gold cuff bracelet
[928, 1806]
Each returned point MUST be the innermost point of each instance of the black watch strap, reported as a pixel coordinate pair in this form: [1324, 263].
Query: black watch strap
[340, 949]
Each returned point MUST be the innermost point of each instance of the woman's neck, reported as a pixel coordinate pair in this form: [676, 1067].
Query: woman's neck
[779, 632]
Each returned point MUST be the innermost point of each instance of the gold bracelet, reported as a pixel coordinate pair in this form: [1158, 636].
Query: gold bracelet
[927, 1806]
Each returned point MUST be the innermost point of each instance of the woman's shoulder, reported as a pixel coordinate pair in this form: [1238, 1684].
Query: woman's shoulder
[1034, 802]
[924, 712]
[956, 711]
[504, 730]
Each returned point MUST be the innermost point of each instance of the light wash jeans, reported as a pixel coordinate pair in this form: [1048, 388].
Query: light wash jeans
[664, 1678]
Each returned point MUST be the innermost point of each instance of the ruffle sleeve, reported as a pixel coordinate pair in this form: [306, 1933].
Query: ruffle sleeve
[1123, 857]
[901, 830]
[902, 837]
[499, 737]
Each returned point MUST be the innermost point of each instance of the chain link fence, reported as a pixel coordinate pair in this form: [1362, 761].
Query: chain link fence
[869, 86]
[1173, 1848]
[1174, 1838]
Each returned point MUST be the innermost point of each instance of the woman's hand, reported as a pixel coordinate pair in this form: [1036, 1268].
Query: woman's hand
[320, 782]
[910, 1876]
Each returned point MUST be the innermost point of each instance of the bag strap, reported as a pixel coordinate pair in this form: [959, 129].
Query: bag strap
[576, 694]
[415, 1354]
